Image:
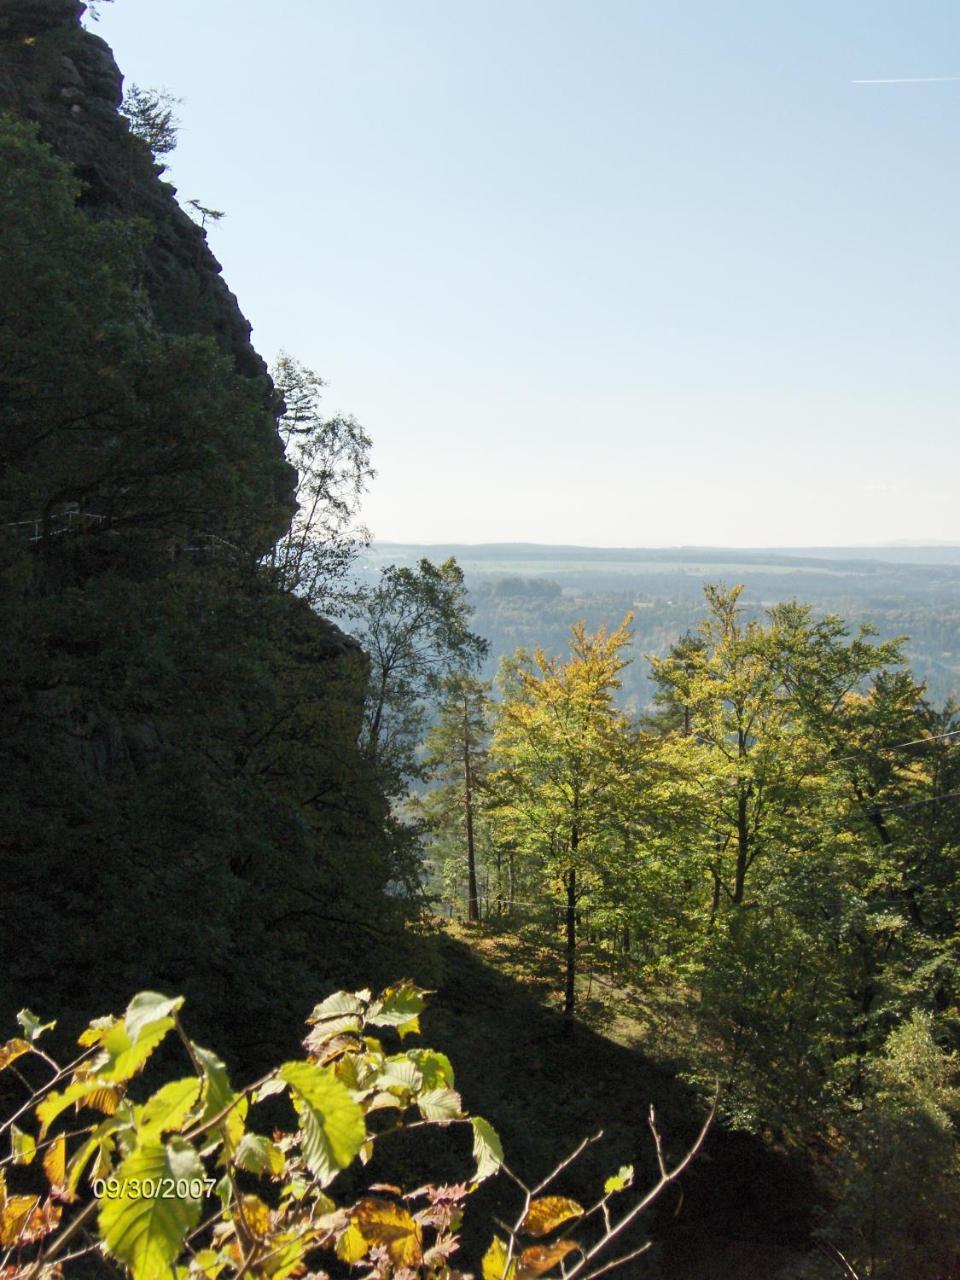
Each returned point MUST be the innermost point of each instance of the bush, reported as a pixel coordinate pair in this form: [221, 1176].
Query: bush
[182, 1184]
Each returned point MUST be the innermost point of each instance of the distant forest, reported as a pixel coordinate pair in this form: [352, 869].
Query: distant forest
[529, 595]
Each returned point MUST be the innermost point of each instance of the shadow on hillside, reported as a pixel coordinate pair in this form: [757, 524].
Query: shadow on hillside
[742, 1210]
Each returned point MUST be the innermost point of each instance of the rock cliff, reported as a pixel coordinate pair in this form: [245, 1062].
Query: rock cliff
[64, 78]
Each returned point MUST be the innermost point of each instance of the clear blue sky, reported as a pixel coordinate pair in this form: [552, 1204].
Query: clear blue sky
[595, 271]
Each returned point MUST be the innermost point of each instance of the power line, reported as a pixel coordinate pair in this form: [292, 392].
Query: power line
[901, 746]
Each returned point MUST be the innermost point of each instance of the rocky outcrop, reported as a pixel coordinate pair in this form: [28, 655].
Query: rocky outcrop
[63, 77]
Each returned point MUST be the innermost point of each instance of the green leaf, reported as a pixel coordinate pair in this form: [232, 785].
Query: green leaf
[93, 1092]
[339, 1014]
[340, 1004]
[79, 1161]
[400, 1073]
[169, 1107]
[259, 1155]
[269, 1088]
[436, 1068]
[126, 1055]
[31, 1025]
[441, 1105]
[147, 1231]
[332, 1122]
[217, 1095]
[399, 1007]
[146, 1008]
[217, 1089]
[23, 1146]
[619, 1181]
[487, 1150]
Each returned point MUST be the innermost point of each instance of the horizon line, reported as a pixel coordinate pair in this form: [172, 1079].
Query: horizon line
[910, 545]
[909, 80]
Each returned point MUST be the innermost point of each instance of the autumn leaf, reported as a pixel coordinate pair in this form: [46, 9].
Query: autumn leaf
[548, 1213]
[381, 1222]
[540, 1258]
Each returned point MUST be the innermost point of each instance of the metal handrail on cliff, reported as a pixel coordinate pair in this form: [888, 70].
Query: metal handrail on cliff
[66, 521]
[34, 531]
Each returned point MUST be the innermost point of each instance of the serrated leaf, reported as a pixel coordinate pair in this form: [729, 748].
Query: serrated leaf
[217, 1094]
[383, 1101]
[619, 1181]
[78, 1162]
[398, 1006]
[91, 1093]
[40, 1222]
[127, 1056]
[548, 1213]
[352, 1245]
[147, 1232]
[55, 1162]
[331, 1121]
[328, 1049]
[269, 1088]
[495, 1265]
[400, 1073]
[441, 1105]
[31, 1026]
[147, 1008]
[15, 1212]
[436, 1068]
[217, 1089]
[259, 1155]
[359, 1075]
[487, 1149]
[95, 1032]
[339, 1014]
[12, 1050]
[340, 1004]
[389, 1225]
[23, 1146]
[167, 1110]
[533, 1262]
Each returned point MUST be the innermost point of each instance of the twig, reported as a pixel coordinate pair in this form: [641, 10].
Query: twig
[670, 1175]
[617, 1262]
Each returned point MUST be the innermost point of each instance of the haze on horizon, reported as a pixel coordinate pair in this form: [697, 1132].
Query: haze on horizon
[629, 275]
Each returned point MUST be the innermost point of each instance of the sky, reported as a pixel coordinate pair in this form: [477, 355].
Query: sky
[600, 272]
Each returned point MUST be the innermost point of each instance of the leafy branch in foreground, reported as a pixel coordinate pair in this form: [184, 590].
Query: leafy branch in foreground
[182, 1185]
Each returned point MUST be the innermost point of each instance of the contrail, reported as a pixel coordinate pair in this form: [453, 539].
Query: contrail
[910, 80]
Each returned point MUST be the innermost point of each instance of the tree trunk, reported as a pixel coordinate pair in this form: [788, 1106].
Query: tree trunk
[571, 950]
[473, 905]
[743, 847]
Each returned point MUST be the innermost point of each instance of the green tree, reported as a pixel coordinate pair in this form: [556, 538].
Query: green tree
[151, 115]
[456, 761]
[565, 787]
[787, 832]
[414, 627]
[332, 459]
[893, 1177]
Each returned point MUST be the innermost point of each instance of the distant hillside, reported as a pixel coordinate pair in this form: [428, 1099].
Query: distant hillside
[528, 594]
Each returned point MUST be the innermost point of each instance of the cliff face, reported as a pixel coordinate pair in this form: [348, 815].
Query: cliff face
[183, 804]
[64, 78]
